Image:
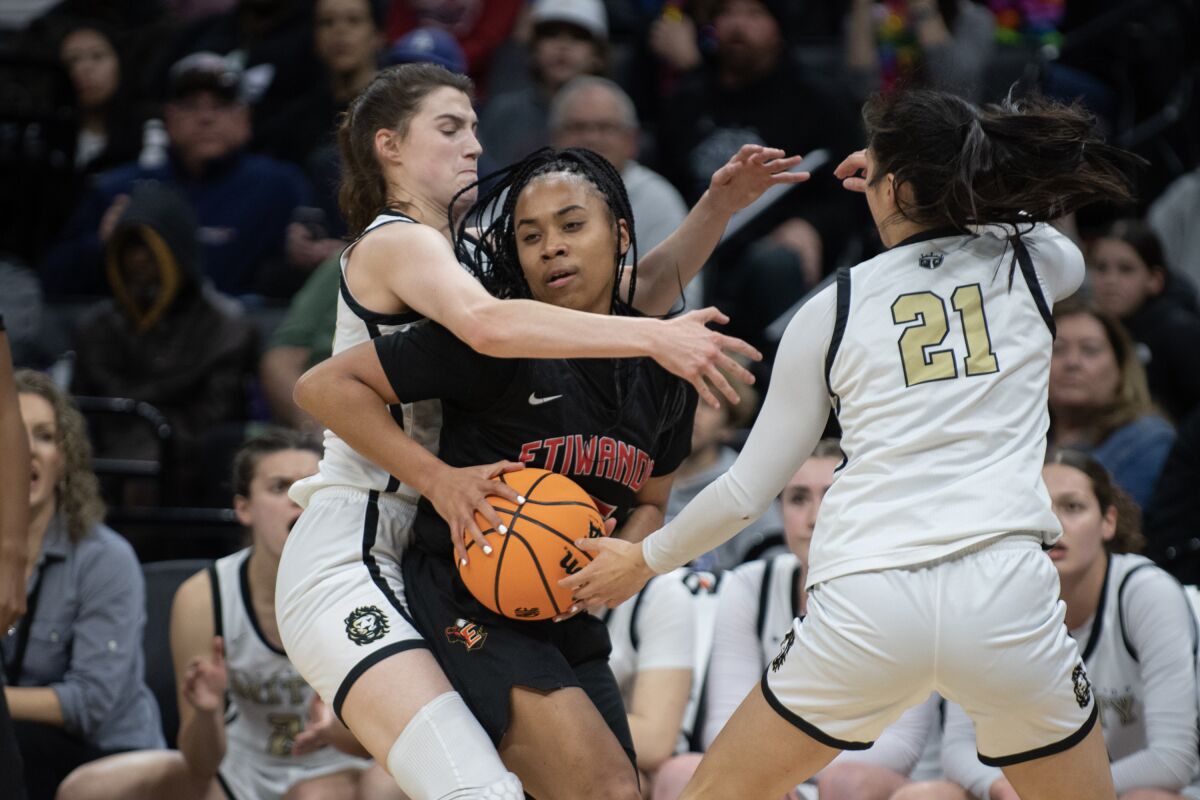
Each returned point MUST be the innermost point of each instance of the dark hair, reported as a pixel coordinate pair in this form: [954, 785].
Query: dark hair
[389, 101]
[1016, 162]
[1132, 399]
[273, 440]
[494, 258]
[1128, 538]
[1141, 237]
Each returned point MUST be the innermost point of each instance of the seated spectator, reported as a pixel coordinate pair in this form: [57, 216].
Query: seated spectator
[653, 655]
[1129, 279]
[1137, 633]
[243, 202]
[110, 128]
[1173, 217]
[595, 113]
[162, 339]
[477, 32]
[758, 604]
[302, 340]
[248, 724]
[569, 39]
[935, 44]
[1099, 401]
[74, 672]
[710, 457]
[1173, 540]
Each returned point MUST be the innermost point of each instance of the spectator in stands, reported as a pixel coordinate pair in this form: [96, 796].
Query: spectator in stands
[1099, 402]
[14, 548]
[1173, 539]
[243, 202]
[936, 44]
[1129, 279]
[110, 128]
[570, 38]
[1136, 630]
[74, 667]
[1173, 216]
[247, 727]
[162, 338]
[711, 456]
[479, 27]
[595, 113]
[754, 93]
[757, 606]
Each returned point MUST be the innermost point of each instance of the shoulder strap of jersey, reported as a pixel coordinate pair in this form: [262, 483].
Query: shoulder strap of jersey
[763, 593]
[1035, 286]
[1098, 621]
[1121, 613]
[633, 615]
[839, 322]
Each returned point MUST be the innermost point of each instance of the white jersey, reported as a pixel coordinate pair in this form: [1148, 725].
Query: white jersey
[341, 464]
[936, 358]
[267, 700]
[654, 629]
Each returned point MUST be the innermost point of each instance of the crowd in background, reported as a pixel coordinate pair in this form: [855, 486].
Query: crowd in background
[169, 229]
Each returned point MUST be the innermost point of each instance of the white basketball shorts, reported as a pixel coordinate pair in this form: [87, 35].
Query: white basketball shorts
[339, 595]
[984, 628]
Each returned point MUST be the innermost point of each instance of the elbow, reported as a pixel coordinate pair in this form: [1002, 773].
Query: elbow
[309, 388]
[483, 334]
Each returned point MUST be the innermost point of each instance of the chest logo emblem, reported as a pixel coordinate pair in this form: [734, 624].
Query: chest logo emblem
[534, 400]
[366, 624]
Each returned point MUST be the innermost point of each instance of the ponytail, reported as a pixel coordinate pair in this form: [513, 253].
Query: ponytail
[1016, 162]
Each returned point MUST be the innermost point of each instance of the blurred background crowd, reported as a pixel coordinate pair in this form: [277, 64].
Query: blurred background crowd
[169, 230]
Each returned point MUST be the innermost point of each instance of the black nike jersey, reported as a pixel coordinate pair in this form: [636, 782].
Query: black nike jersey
[576, 417]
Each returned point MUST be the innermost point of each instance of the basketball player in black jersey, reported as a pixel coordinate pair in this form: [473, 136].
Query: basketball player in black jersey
[562, 233]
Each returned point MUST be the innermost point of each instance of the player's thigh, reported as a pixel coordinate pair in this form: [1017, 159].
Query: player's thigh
[931, 790]
[757, 754]
[139, 775]
[1080, 772]
[560, 747]
[334, 786]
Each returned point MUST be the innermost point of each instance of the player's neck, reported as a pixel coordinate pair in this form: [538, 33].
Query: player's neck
[1082, 594]
[896, 229]
[423, 211]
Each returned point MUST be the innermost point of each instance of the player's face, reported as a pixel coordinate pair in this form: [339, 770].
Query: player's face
[440, 154]
[1083, 370]
[801, 500]
[345, 35]
[1086, 526]
[46, 463]
[268, 512]
[593, 120]
[92, 64]
[567, 243]
[1121, 281]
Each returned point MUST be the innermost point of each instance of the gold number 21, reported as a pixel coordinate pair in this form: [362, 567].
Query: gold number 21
[922, 364]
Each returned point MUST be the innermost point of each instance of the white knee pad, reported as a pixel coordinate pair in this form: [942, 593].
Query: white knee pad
[444, 754]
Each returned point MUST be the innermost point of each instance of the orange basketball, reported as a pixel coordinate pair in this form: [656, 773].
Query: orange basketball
[520, 578]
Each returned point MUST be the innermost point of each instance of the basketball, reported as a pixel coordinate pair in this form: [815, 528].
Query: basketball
[520, 578]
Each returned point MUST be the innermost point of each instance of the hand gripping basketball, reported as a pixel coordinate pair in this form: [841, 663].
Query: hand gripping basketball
[537, 548]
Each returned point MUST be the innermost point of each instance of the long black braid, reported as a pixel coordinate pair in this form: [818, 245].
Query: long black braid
[485, 241]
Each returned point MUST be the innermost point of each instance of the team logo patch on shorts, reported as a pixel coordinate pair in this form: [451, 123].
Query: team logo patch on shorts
[366, 624]
[788, 641]
[1083, 687]
[467, 634]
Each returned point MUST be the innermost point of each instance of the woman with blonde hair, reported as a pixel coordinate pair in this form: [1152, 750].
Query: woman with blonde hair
[73, 663]
[1099, 400]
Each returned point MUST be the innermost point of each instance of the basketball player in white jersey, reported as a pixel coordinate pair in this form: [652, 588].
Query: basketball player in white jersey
[408, 146]
[1138, 636]
[756, 605]
[927, 571]
[242, 704]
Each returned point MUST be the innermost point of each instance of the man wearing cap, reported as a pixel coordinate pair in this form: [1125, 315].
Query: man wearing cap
[570, 38]
[243, 202]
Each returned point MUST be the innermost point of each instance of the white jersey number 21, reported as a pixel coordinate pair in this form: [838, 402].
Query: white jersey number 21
[922, 362]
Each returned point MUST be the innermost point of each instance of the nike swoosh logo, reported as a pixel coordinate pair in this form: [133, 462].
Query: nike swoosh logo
[534, 400]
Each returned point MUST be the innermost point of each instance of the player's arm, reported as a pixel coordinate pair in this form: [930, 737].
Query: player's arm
[430, 281]
[792, 419]
[14, 494]
[677, 259]
[735, 663]
[651, 509]
[200, 677]
[350, 393]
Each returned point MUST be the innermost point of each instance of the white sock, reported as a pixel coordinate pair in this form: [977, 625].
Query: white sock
[444, 754]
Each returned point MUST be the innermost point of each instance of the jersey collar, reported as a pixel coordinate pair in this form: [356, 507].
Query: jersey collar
[932, 233]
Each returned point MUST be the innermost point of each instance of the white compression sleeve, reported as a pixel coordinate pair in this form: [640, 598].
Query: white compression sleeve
[792, 419]
[444, 754]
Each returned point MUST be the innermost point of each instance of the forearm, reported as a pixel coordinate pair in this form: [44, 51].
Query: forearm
[519, 329]
[641, 522]
[652, 744]
[34, 704]
[202, 742]
[677, 259]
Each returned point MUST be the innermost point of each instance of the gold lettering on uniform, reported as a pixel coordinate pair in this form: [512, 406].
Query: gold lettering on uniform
[922, 365]
[968, 302]
[295, 686]
[284, 728]
[1122, 705]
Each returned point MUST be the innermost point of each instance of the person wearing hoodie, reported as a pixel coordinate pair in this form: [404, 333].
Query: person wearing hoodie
[162, 338]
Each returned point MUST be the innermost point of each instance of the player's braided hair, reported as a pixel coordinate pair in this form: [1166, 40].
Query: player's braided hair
[485, 241]
[493, 257]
